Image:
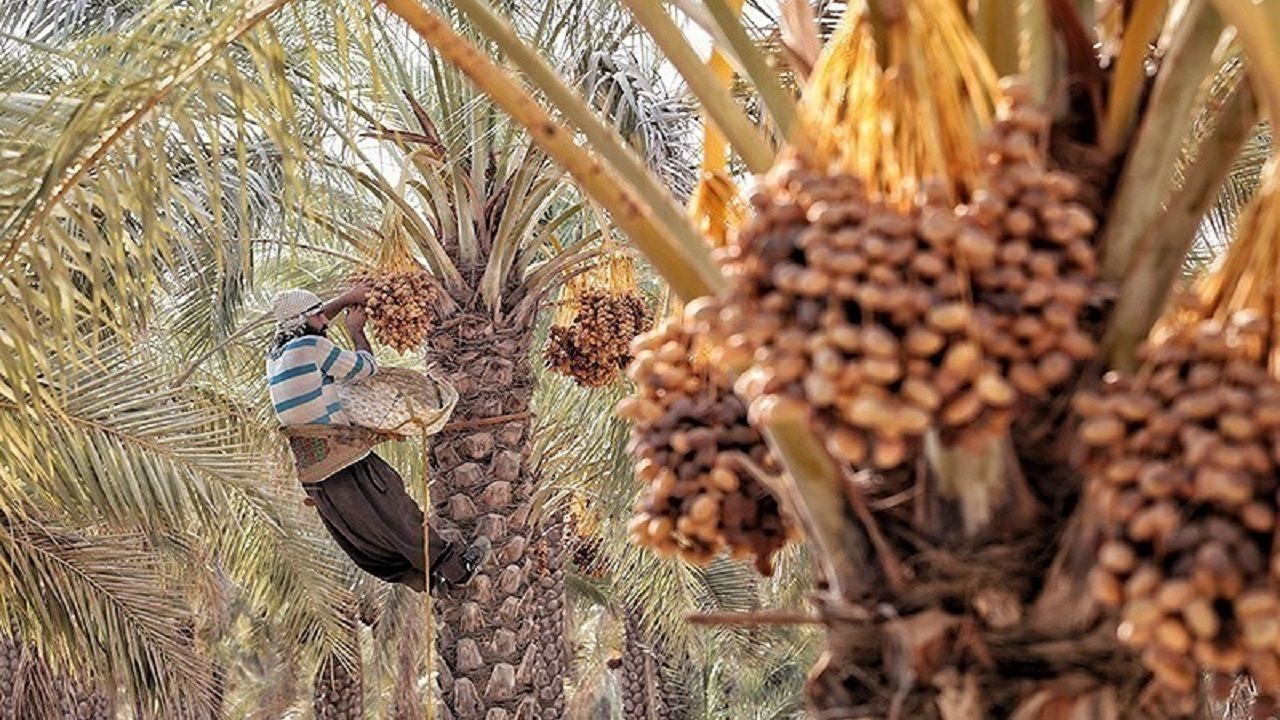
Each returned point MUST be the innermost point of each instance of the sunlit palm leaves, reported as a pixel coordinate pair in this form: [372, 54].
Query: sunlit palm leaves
[135, 162]
[103, 600]
[108, 442]
[647, 113]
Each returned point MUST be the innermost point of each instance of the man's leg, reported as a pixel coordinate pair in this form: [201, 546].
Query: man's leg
[402, 521]
[372, 518]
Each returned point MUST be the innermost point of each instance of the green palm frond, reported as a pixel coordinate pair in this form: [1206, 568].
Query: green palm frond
[658, 122]
[81, 170]
[55, 23]
[189, 153]
[1218, 225]
[108, 438]
[103, 600]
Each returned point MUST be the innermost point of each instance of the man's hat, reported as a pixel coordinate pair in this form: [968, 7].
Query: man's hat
[291, 308]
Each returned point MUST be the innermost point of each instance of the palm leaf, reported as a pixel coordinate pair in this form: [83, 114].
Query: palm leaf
[105, 598]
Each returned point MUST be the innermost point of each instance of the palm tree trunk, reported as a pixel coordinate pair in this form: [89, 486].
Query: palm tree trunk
[549, 612]
[488, 654]
[338, 689]
[642, 684]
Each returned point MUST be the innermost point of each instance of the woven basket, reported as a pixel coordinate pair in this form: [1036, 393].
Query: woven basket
[398, 401]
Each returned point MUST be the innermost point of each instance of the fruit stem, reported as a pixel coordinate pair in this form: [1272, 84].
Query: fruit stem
[1257, 25]
[818, 495]
[1151, 162]
[981, 481]
[1130, 72]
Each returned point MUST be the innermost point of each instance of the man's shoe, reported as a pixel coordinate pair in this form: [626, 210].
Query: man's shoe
[470, 560]
[474, 558]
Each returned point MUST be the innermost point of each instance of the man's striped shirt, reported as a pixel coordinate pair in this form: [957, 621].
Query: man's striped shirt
[303, 380]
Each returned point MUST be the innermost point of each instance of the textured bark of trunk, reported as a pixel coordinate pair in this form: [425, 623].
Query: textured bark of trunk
[642, 684]
[995, 619]
[338, 692]
[549, 610]
[488, 654]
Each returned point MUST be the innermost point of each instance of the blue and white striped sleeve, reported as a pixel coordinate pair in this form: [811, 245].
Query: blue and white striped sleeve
[344, 365]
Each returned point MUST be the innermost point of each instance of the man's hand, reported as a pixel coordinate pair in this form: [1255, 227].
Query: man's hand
[357, 295]
[354, 297]
[355, 319]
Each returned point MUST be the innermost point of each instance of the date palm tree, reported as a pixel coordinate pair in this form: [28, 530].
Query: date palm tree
[140, 505]
[256, 155]
[129, 163]
[1132, 144]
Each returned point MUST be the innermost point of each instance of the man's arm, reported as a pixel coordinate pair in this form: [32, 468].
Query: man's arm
[353, 297]
[344, 365]
[355, 325]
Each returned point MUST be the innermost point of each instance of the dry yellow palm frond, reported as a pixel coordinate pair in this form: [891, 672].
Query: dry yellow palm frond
[716, 207]
[901, 99]
[103, 603]
[154, 156]
[104, 441]
[1247, 277]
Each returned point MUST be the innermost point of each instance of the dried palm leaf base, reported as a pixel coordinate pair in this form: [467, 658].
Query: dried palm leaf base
[965, 638]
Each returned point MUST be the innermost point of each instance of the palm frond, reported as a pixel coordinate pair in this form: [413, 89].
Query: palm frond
[103, 600]
[653, 117]
[1218, 225]
[109, 439]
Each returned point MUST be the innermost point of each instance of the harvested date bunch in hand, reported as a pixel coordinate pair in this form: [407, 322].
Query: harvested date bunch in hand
[690, 435]
[600, 314]
[402, 308]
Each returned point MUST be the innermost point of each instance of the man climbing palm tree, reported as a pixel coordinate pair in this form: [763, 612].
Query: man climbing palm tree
[361, 499]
